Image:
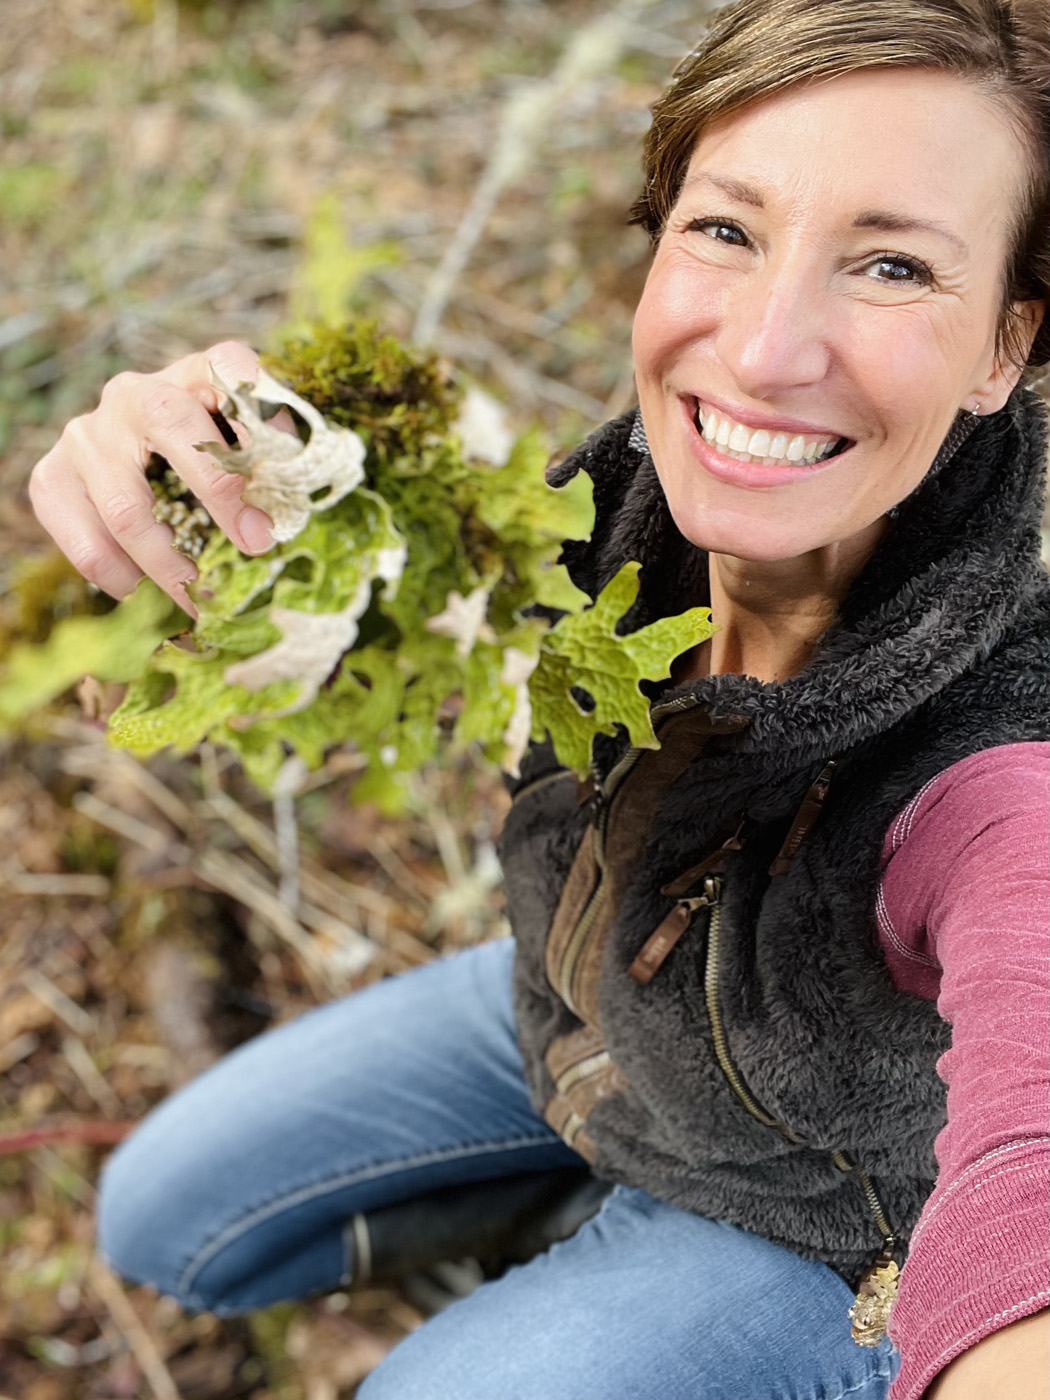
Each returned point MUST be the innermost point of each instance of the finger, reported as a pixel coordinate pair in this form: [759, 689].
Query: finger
[75, 525]
[229, 360]
[283, 420]
[169, 420]
[121, 502]
[126, 514]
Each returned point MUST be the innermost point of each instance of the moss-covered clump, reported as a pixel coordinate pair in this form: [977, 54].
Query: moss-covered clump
[400, 400]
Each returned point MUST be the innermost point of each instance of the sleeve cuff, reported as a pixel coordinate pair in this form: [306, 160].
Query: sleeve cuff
[978, 1262]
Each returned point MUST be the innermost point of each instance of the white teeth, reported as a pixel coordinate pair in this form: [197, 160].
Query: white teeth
[759, 445]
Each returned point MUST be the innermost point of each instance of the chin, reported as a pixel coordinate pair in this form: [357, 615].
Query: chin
[745, 536]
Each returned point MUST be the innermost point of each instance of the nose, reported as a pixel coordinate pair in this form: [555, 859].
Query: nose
[775, 333]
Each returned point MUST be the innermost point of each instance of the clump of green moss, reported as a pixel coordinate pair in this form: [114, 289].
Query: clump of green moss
[42, 591]
[401, 400]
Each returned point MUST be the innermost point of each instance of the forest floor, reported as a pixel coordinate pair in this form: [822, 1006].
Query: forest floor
[164, 167]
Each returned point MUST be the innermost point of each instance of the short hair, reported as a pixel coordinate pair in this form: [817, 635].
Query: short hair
[755, 48]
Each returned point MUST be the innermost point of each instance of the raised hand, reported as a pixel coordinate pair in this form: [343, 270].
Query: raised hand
[90, 491]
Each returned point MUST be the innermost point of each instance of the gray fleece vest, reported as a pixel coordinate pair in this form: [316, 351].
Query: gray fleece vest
[647, 1053]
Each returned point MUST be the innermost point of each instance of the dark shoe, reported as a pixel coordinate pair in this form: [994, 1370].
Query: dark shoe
[450, 1240]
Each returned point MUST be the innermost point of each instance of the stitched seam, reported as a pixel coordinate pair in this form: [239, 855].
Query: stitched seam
[976, 1186]
[903, 815]
[1025, 1143]
[950, 1352]
[240, 1227]
[875, 1376]
[914, 812]
[908, 814]
[882, 915]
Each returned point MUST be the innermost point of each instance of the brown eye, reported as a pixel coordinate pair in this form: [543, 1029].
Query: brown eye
[720, 230]
[900, 271]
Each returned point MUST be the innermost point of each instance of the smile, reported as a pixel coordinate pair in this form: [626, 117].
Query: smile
[760, 445]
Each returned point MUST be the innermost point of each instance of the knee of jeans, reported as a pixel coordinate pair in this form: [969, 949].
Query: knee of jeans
[140, 1230]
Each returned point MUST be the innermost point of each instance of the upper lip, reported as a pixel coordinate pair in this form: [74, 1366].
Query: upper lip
[755, 418]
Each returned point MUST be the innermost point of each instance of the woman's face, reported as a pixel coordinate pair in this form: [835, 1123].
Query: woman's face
[828, 283]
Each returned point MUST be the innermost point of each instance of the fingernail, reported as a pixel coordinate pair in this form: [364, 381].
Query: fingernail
[255, 530]
[184, 601]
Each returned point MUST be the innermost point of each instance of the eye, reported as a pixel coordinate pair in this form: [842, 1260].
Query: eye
[898, 270]
[721, 230]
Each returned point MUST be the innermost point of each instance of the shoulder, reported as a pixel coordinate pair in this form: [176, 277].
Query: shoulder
[1007, 784]
[967, 854]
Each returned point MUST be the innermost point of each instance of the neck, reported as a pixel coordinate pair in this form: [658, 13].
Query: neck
[770, 614]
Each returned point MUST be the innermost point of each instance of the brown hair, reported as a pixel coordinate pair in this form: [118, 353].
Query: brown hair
[758, 47]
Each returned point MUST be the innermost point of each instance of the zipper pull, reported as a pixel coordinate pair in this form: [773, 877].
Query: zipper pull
[877, 1292]
[870, 1313]
[805, 819]
[714, 864]
[658, 946]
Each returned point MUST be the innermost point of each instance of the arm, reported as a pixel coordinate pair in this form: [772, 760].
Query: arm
[1013, 1362]
[965, 920]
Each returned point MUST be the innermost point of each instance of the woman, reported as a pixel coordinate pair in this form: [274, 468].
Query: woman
[749, 962]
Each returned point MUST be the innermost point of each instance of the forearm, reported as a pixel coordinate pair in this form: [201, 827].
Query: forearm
[1011, 1364]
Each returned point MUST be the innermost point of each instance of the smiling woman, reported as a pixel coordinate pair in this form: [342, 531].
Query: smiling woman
[782, 980]
[778, 329]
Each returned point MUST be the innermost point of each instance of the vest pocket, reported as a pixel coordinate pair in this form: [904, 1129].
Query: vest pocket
[581, 897]
[584, 1074]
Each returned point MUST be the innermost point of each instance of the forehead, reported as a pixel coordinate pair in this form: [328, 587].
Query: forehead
[925, 140]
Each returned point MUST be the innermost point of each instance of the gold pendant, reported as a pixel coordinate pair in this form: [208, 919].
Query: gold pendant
[871, 1308]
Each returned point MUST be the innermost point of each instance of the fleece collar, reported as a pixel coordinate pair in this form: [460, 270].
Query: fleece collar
[955, 572]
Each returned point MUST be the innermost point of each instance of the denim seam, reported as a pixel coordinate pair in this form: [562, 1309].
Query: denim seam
[875, 1376]
[234, 1231]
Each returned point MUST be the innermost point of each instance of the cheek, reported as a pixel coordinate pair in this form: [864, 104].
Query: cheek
[912, 360]
[677, 306]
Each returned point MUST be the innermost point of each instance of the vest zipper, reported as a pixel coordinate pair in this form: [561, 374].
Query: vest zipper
[713, 892]
[575, 1074]
[603, 796]
[878, 1287]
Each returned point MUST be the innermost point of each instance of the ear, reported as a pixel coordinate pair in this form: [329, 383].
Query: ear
[993, 391]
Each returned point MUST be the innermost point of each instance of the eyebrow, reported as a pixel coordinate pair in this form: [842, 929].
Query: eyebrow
[735, 189]
[885, 220]
[889, 222]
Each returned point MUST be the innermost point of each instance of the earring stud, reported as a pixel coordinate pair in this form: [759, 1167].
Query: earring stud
[976, 410]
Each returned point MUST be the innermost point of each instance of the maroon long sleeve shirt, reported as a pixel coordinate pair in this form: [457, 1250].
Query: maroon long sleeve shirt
[963, 911]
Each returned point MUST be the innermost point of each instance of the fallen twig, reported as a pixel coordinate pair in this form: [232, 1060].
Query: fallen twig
[528, 112]
[80, 1061]
[95, 1132]
[58, 886]
[286, 830]
[107, 1289]
[75, 1017]
[231, 874]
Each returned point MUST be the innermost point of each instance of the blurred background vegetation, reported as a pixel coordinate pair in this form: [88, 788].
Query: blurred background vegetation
[173, 174]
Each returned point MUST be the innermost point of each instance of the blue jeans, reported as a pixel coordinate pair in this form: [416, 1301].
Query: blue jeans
[236, 1191]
